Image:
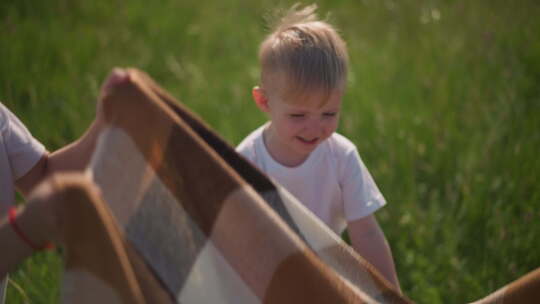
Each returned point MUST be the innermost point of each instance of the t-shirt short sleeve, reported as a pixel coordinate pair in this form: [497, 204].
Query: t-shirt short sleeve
[247, 147]
[247, 150]
[361, 196]
[23, 151]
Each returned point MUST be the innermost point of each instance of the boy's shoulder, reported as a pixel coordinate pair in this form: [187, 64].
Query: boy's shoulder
[343, 153]
[340, 145]
[248, 145]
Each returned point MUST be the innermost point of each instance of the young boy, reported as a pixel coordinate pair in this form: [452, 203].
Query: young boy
[303, 77]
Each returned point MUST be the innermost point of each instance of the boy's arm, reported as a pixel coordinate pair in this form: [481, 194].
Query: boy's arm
[368, 239]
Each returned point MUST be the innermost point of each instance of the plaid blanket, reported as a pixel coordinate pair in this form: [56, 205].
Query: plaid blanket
[168, 212]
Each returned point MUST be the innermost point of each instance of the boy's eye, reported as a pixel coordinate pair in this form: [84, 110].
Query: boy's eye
[329, 114]
[297, 115]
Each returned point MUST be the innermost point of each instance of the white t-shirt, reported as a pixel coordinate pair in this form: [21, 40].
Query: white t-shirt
[332, 182]
[19, 152]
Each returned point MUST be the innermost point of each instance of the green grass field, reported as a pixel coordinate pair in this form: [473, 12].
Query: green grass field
[443, 103]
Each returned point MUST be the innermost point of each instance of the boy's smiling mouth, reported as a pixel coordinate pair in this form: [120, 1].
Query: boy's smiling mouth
[308, 141]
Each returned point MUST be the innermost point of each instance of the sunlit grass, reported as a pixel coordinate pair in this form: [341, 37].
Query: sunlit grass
[443, 103]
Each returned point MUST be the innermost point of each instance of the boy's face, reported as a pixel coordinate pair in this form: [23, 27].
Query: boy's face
[299, 126]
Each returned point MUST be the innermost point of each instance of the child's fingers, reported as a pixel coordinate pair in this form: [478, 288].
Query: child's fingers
[117, 76]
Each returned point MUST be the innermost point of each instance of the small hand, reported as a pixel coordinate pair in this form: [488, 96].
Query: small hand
[116, 77]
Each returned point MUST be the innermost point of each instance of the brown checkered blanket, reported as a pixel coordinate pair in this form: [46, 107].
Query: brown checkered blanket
[168, 212]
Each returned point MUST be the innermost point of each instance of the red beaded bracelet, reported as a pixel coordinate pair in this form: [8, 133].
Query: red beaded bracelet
[20, 233]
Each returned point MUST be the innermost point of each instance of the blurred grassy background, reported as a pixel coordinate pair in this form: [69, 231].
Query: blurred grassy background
[443, 103]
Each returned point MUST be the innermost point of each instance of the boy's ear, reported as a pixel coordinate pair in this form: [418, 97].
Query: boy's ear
[260, 99]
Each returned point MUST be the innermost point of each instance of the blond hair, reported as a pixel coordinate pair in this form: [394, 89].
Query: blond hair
[303, 54]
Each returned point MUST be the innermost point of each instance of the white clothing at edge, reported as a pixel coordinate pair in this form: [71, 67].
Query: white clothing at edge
[19, 152]
[332, 182]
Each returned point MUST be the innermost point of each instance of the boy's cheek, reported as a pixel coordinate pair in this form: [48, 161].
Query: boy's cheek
[288, 123]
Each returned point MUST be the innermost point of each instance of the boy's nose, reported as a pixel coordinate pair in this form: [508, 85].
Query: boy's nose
[315, 126]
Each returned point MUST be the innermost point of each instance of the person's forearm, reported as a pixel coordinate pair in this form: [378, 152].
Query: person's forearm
[36, 222]
[18, 250]
[379, 255]
[373, 247]
[73, 157]
[77, 155]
